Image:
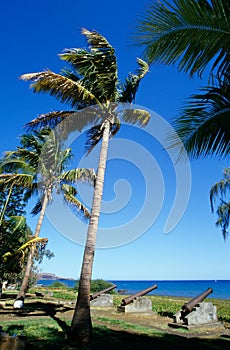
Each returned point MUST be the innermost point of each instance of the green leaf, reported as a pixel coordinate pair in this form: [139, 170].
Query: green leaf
[188, 32]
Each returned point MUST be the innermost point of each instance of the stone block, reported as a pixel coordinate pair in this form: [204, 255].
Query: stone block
[103, 300]
[201, 314]
[139, 305]
[177, 317]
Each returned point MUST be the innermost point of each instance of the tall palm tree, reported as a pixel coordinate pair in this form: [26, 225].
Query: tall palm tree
[221, 191]
[91, 82]
[195, 34]
[39, 166]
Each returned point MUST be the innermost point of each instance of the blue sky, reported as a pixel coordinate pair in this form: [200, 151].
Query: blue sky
[33, 33]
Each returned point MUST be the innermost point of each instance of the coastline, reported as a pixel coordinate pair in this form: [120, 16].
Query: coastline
[46, 276]
[179, 289]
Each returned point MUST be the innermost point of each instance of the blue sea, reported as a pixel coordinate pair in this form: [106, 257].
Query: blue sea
[190, 289]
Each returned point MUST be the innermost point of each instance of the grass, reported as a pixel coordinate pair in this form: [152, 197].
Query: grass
[61, 292]
[162, 305]
[129, 326]
[40, 333]
[46, 334]
[49, 333]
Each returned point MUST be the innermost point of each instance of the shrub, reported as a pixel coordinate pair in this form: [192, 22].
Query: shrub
[57, 284]
[96, 285]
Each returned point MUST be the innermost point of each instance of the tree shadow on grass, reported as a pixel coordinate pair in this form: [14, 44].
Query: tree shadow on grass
[50, 338]
[50, 309]
[104, 339]
[42, 309]
[46, 337]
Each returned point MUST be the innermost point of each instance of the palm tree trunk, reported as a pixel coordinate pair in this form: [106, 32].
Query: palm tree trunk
[24, 285]
[81, 327]
[6, 203]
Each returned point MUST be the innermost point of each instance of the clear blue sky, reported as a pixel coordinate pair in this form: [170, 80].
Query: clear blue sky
[32, 34]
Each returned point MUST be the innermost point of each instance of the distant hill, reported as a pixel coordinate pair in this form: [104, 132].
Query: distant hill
[51, 276]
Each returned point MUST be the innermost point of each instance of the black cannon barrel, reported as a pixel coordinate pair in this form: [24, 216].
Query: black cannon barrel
[143, 292]
[198, 299]
[95, 295]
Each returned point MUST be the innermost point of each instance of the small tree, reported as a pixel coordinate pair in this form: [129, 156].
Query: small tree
[96, 285]
[40, 167]
[14, 230]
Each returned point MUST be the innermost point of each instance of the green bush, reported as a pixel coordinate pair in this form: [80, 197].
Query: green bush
[64, 294]
[96, 285]
[57, 284]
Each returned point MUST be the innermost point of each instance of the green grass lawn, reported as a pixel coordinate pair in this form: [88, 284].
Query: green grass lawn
[46, 334]
[49, 333]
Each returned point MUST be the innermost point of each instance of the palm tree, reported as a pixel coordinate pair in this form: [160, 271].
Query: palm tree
[14, 230]
[91, 82]
[221, 190]
[39, 166]
[15, 259]
[195, 34]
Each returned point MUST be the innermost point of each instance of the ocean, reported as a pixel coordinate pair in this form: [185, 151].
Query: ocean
[190, 289]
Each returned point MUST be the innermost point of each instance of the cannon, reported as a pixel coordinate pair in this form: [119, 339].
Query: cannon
[188, 307]
[132, 297]
[196, 312]
[104, 291]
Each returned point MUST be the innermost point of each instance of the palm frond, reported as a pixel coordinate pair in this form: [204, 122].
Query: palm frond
[70, 74]
[70, 193]
[223, 220]
[192, 33]
[22, 180]
[221, 191]
[204, 124]
[51, 119]
[65, 157]
[18, 222]
[76, 205]
[12, 164]
[136, 116]
[79, 175]
[94, 135]
[63, 88]
[38, 206]
[96, 41]
[97, 66]
[69, 189]
[14, 260]
[34, 141]
[221, 188]
[115, 127]
[130, 87]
